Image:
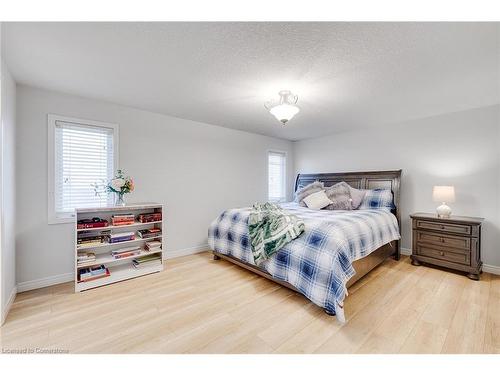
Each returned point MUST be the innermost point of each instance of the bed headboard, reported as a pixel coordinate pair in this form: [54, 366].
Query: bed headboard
[359, 180]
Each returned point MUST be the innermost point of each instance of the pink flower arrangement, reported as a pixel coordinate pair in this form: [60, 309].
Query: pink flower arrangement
[120, 184]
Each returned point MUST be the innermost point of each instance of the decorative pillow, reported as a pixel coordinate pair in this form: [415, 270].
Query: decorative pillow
[317, 201]
[357, 196]
[340, 196]
[377, 198]
[303, 192]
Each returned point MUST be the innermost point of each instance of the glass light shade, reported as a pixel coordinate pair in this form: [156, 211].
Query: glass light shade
[443, 194]
[284, 112]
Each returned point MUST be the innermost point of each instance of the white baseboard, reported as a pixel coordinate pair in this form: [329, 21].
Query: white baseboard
[491, 269]
[6, 310]
[65, 277]
[43, 282]
[486, 267]
[405, 251]
[186, 251]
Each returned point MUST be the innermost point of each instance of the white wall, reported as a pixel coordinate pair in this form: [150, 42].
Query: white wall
[196, 170]
[8, 188]
[460, 149]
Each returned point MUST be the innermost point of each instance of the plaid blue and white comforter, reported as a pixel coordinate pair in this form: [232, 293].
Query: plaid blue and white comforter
[319, 262]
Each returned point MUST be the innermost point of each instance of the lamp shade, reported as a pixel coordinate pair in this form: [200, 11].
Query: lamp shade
[443, 194]
[285, 108]
[284, 112]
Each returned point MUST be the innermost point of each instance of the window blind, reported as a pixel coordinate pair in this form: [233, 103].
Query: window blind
[277, 178]
[83, 156]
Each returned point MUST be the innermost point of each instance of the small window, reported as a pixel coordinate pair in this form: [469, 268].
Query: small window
[82, 153]
[277, 176]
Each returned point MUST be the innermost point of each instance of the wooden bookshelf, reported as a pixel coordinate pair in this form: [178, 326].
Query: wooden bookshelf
[122, 268]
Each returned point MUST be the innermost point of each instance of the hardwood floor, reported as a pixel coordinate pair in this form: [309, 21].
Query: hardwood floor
[198, 305]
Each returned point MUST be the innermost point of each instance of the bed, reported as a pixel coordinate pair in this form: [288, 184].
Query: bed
[336, 250]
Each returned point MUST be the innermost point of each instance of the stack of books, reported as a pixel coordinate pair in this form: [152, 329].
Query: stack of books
[126, 252]
[147, 218]
[92, 273]
[147, 261]
[120, 237]
[92, 223]
[85, 258]
[148, 233]
[91, 238]
[152, 245]
[122, 219]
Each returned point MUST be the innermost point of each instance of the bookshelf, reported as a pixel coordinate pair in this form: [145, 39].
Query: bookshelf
[119, 268]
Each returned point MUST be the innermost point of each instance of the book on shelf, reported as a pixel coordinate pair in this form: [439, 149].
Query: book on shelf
[91, 239]
[93, 273]
[126, 216]
[120, 237]
[127, 255]
[125, 249]
[122, 219]
[148, 233]
[85, 258]
[147, 265]
[89, 244]
[126, 252]
[123, 223]
[148, 258]
[147, 218]
[121, 234]
[91, 223]
[152, 245]
[147, 261]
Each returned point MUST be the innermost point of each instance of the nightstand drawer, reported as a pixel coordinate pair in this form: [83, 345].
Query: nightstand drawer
[444, 227]
[449, 256]
[443, 240]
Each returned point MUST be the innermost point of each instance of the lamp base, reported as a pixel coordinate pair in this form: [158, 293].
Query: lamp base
[443, 211]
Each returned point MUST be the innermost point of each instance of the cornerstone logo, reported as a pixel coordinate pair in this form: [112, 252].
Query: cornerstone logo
[35, 351]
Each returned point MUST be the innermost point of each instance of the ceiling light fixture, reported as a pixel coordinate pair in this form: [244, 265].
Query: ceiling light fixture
[285, 108]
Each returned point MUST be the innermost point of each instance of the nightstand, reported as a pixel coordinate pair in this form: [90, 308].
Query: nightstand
[454, 242]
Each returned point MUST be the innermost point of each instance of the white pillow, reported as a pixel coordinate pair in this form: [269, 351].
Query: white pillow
[317, 201]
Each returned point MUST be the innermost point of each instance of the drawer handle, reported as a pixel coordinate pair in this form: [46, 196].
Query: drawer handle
[441, 253]
[441, 239]
[442, 226]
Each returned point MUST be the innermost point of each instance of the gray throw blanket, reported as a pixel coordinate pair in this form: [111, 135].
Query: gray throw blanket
[270, 228]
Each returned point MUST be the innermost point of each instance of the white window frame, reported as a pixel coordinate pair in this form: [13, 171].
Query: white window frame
[285, 174]
[53, 216]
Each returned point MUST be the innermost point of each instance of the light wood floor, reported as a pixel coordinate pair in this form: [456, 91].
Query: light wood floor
[198, 305]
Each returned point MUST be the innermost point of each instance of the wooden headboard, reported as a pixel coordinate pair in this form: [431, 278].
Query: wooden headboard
[359, 180]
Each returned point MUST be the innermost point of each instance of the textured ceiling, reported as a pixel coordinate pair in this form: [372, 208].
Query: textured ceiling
[347, 75]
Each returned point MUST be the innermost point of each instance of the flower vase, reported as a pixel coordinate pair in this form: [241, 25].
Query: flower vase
[120, 202]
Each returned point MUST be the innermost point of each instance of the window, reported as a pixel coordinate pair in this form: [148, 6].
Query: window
[81, 154]
[277, 176]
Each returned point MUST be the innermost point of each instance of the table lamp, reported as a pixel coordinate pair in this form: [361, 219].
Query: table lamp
[443, 194]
